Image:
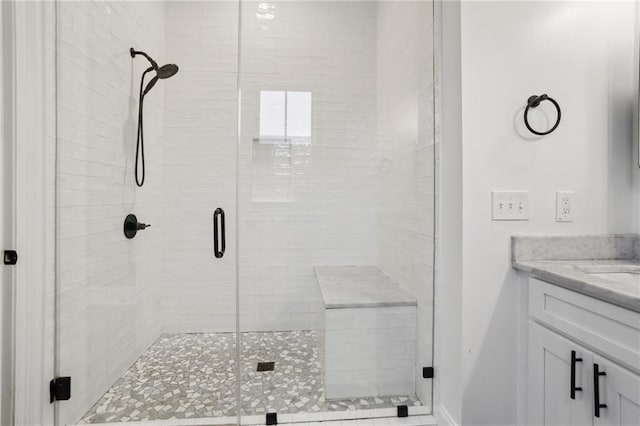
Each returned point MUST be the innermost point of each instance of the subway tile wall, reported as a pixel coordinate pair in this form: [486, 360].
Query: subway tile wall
[405, 120]
[109, 286]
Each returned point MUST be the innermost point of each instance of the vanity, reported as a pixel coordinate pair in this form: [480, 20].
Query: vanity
[583, 325]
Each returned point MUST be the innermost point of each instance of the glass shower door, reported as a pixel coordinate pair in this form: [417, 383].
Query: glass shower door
[146, 326]
[308, 127]
[336, 209]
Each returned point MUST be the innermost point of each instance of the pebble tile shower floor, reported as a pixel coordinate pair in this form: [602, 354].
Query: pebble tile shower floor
[193, 376]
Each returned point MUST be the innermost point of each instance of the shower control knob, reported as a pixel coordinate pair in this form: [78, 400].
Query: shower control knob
[132, 226]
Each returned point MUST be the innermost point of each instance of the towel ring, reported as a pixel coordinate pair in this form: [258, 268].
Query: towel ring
[533, 102]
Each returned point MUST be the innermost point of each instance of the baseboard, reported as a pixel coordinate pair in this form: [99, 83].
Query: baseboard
[443, 417]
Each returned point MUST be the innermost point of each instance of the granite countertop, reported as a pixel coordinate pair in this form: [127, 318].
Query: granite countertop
[359, 287]
[606, 267]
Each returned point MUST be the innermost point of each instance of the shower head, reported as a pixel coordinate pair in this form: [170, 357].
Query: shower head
[163, 72]
[167, 71]
[150, 85]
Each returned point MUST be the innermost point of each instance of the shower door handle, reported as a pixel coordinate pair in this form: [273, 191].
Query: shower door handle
[218, 233]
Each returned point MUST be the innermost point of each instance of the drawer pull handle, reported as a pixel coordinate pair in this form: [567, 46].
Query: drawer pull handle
[596, 389]
[574, 388]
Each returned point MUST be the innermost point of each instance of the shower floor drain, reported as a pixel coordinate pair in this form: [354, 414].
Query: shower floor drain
[266, 366]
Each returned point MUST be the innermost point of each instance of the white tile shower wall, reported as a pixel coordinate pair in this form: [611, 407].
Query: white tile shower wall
[405, 230]
[328, 214]
[200, 166]
[109, 286]
[369, 351]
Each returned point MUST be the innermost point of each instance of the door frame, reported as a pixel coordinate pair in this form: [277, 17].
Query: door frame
[7, 216]
[28, 44]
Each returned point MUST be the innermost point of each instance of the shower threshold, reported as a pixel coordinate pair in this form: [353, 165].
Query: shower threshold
[418, 416]
[191, 376]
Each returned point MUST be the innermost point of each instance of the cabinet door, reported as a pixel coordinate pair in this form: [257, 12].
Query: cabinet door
[550, 380]
[619, 390]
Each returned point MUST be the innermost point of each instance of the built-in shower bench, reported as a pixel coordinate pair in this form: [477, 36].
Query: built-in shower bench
[368, 343]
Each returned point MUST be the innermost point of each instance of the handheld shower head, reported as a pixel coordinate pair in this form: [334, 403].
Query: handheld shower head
[163, 72]
[167, 71]
[150, 85]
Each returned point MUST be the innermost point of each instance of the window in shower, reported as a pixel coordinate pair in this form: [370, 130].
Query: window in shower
[285, 134]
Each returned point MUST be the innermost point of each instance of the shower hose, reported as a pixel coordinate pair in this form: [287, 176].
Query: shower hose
[140, 163]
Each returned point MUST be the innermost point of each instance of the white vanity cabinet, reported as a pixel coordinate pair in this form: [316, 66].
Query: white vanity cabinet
[620, 391]
[550, 401]
[572, 338]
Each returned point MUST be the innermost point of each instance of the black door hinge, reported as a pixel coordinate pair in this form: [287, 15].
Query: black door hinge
[60, 389]
[427, 372]
[403, 411]
[272, 419]
[10, 257]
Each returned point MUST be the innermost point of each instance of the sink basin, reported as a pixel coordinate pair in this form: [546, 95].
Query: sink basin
[621, 277]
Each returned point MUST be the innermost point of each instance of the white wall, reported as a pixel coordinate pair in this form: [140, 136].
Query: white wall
[448, 290]
[108, 285]
[405, 123]
[636, 130]
[583, 55]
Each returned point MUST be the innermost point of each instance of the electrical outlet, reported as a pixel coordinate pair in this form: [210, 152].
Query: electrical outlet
[510, 205]
[564, 206]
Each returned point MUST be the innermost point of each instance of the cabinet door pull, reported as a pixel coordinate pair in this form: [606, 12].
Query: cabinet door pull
[574, 388]
[596, 389]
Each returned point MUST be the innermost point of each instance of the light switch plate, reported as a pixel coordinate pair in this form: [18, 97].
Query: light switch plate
[510, 205]
[564, 206]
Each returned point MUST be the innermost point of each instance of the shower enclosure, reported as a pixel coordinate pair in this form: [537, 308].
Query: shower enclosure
[288, 271]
